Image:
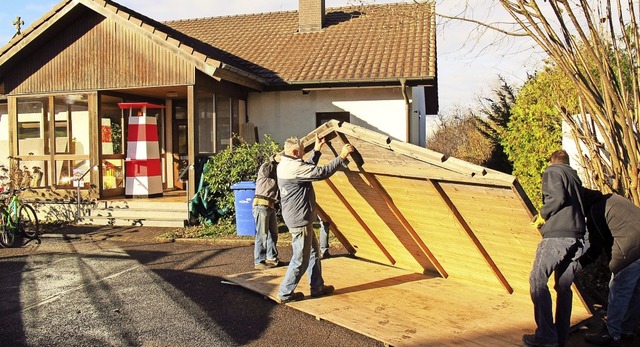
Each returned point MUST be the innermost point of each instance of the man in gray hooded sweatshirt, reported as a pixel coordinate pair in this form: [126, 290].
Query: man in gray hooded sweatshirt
[561, 245]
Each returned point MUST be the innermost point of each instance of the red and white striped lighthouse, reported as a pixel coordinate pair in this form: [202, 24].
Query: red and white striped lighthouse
[143, 167]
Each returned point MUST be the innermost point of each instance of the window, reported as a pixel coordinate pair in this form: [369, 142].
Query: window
[323, 117]
[51, 146]
[218, 120]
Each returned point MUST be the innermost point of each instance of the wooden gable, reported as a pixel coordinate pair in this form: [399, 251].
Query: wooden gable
[97, 44]
[448, 246]
[93, 52]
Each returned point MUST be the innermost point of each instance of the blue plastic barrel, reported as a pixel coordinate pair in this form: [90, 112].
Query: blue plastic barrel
[243, 193]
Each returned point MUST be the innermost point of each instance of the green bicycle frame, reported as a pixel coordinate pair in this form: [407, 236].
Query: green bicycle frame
[12, 212]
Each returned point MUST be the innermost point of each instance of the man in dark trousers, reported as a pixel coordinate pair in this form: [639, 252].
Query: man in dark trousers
[265, 254]
[561, 245]
[298, 199]
[614, 228]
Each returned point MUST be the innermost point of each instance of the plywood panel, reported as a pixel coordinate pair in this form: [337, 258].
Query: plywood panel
[433, 221]
[401, 308]
[387, 228]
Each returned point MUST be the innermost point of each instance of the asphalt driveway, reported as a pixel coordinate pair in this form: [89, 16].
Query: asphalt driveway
[85, 286]
[104, 286]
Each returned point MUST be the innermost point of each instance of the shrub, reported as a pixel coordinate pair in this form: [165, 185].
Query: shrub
[235, 164]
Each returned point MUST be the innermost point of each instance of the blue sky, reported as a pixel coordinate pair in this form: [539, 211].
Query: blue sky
[468, 66]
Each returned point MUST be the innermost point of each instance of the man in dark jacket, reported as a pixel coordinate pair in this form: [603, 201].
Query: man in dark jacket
[561, 245]
[614, 228]
[298, 198]
[265, 254]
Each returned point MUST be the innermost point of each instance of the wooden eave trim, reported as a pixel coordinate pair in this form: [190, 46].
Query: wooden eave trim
[429, 81]
[237, 76]
[35, 30]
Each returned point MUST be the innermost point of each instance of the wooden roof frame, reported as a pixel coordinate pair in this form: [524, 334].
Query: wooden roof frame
[448, 247]
[363, 199]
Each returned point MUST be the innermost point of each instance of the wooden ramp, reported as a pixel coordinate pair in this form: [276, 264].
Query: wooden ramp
[404, 308]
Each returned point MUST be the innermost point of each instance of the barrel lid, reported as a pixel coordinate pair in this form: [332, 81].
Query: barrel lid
[244, 185]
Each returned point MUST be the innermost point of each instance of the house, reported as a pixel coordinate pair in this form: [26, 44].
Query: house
[70, 83]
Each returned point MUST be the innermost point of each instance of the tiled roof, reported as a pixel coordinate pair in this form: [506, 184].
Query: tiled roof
[366, 44]
[357, 44]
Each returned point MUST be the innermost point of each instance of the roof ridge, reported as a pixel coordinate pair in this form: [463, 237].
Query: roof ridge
[225, 16]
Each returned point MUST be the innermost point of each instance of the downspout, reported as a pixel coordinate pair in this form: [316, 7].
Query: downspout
[407, 109]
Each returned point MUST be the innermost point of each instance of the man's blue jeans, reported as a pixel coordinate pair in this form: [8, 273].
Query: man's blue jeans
[266, 234]
[305, 258]
[624, 301]
[324, 236]
[558, 256]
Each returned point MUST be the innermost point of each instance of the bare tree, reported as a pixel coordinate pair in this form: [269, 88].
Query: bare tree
[596, 44]
[458, 136]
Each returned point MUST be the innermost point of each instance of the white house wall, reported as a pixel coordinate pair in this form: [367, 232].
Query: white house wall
[292, 113]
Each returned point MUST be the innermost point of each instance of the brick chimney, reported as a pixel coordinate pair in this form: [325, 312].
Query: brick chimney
[310, 15]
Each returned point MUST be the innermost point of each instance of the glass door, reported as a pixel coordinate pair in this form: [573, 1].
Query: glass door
[180, 142]
[112, 139]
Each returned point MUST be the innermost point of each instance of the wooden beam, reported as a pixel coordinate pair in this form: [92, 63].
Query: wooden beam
[360, 221]
[522, 195]
[336, 231]
[405, 223]
[465, 226]
[192, 135]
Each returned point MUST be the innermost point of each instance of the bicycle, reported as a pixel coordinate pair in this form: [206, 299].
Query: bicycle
[17, 218]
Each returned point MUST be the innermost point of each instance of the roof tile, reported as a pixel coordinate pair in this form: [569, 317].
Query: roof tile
[356, 43]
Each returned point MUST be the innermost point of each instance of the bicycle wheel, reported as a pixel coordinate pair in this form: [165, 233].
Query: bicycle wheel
[7, 235]
[28, 222]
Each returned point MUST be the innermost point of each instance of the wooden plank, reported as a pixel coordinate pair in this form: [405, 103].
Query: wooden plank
[475, 240]
[406, 225]
[364, 226]
[401, 308]
[336, 231]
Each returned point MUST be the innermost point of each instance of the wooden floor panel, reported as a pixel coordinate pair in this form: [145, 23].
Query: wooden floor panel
[402, 308]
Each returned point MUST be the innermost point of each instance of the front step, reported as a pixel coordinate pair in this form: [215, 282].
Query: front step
[146, 212]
